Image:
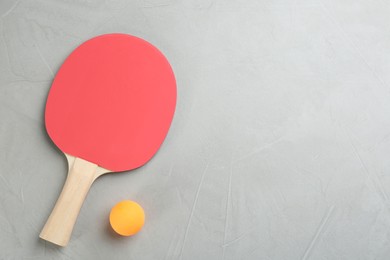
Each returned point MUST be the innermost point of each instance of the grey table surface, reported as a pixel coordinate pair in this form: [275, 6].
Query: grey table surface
[279, 148]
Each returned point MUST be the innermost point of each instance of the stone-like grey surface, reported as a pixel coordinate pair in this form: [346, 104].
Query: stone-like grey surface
[279, 148]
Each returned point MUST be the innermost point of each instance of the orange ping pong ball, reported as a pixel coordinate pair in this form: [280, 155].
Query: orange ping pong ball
[127, 218]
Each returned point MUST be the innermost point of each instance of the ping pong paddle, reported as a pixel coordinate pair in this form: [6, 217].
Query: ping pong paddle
[109, 109]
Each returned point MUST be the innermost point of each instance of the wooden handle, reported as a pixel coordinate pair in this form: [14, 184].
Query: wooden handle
[59, 226]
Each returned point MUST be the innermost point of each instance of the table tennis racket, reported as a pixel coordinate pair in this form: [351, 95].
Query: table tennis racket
[109, 109]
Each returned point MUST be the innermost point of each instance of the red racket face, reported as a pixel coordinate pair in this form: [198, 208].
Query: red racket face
[112, 102]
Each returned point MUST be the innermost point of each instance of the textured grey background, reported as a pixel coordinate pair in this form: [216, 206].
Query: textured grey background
[279, 148]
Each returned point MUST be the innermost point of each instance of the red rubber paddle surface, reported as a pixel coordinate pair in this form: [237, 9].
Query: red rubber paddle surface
[112, 102]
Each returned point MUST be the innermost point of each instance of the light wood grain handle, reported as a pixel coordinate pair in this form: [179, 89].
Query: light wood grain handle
[59, 226]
